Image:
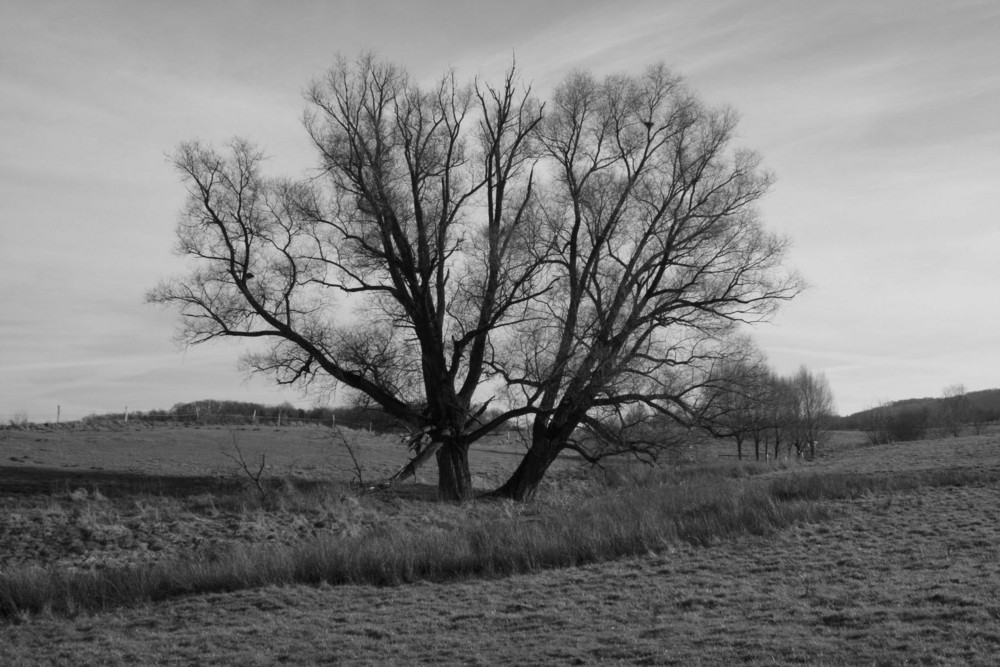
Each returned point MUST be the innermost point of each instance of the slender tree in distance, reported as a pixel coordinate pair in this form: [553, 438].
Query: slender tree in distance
[736, 398]
[955, 409]
[815, 406]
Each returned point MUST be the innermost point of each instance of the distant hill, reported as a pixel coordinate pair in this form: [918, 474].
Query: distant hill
[982, 406]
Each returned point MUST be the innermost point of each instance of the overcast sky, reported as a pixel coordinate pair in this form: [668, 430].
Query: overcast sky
[881, 120]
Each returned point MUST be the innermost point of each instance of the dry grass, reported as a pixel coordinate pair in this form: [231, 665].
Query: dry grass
[568, 530]
[903, 570]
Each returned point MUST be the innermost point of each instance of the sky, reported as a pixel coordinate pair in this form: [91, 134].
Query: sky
[881, 121]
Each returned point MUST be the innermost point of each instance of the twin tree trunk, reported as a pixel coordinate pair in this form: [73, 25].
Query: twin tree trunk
[455, 479]
[523, 483]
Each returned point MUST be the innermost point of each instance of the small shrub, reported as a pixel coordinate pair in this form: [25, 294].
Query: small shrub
[19, 420]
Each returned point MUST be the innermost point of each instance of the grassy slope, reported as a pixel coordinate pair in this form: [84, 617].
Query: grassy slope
[910, 575]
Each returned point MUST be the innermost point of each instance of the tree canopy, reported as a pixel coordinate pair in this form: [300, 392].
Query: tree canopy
[467, 256]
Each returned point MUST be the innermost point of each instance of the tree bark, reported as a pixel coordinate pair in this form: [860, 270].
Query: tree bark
[523, 483]
[454, 478]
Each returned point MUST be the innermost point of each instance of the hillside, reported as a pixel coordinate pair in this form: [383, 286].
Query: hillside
[979, 406]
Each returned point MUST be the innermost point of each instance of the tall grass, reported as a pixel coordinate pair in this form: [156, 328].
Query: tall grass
[829, 486]
[614, 521]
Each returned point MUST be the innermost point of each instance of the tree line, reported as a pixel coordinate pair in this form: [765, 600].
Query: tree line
[213, 411]
[955, 412]
[466, 256]
[755, 406]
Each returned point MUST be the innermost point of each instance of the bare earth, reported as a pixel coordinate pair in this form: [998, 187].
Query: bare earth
[906, 578]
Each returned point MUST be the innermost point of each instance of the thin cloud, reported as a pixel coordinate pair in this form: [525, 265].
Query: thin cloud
[878, 118]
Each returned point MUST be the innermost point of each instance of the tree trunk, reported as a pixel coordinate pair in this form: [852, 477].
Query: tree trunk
[523, 483]
[454, 478]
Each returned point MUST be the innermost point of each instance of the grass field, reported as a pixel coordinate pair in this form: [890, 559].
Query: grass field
[902, 571]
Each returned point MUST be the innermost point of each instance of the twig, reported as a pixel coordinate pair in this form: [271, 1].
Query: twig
[241, 461]
[423, 452]
[358, 474]
[410, 468]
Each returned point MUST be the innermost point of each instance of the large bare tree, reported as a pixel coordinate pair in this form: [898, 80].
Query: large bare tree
[390, 272]
[658, 253]
[465, 248]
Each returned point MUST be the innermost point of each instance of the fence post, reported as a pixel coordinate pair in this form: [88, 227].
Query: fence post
[58, 412]
[333, 421]
[126, 414]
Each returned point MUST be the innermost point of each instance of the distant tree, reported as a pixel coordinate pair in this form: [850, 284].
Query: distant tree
[887, 422]
[759, 425]
[814, 406]
[907, 424]
[981, 416]
[781, 413]
[954, 409]
[735, 397]
[875, 422]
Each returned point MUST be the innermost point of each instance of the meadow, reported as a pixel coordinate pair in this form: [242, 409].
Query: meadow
[867, 555]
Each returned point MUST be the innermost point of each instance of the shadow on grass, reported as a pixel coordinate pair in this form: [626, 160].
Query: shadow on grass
[39, 480]
[410, 491]
[32, 480]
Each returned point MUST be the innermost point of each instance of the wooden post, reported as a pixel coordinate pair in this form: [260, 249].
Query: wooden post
[58, 412]
[126, 414]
